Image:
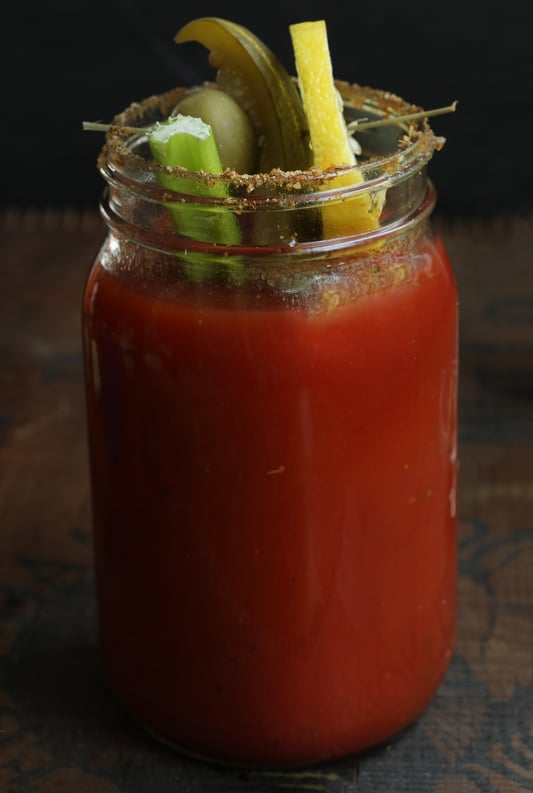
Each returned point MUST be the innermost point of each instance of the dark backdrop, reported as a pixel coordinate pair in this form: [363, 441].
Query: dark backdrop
[72, 60]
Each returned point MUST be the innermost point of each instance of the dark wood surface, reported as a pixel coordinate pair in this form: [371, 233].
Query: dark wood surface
[60, 729]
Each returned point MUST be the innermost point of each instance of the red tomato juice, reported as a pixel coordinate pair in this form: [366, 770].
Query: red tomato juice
[274, 512]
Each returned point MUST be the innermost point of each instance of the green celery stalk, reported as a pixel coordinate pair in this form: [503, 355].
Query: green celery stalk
[189, 142]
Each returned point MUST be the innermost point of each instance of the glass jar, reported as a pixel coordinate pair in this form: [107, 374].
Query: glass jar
[272, 435]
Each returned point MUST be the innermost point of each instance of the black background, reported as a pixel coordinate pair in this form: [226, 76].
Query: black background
[70, 61]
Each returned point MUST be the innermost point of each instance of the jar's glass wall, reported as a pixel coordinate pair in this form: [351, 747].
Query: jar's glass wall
[272, 433]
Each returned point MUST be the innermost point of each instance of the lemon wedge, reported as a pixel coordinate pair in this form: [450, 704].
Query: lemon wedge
[329, 137]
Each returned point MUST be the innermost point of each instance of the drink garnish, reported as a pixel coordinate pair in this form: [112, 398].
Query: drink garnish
[277, 124]
[250, 72]
[188, 142]
[232, 129]
[329, 136]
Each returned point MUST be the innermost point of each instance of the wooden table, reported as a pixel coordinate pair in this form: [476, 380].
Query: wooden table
[60, 729]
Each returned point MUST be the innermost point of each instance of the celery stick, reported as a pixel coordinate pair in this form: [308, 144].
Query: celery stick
[189, 142]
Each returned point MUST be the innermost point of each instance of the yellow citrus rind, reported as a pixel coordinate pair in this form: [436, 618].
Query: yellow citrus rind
[329, 137]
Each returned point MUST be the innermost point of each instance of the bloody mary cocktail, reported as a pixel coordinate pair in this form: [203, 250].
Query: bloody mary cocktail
[272, 436]
[274, 510]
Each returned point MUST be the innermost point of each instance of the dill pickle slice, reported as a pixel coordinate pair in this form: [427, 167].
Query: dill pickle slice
[256, 79]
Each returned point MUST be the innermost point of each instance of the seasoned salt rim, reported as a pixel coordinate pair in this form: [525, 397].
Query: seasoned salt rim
[413, 150]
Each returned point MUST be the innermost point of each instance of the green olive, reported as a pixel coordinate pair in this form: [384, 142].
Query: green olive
[233, 131]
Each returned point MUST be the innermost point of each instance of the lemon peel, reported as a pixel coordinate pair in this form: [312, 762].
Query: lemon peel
[329, 137]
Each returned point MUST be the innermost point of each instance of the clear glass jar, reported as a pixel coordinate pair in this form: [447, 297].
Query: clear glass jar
[272, 435]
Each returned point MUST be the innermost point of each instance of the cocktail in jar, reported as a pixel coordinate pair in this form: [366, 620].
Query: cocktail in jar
[271, 364]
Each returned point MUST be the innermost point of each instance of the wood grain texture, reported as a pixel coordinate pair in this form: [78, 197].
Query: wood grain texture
[60, 729]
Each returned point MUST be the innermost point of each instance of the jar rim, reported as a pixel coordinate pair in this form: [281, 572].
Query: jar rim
[408, 148]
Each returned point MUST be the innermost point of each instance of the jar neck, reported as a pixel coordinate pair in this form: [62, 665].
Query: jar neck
[386, 194]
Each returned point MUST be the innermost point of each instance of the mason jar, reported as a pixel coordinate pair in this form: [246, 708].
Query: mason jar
[272, 438]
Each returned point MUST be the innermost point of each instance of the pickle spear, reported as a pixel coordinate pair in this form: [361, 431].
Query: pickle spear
[329, 137]
[253, 75]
